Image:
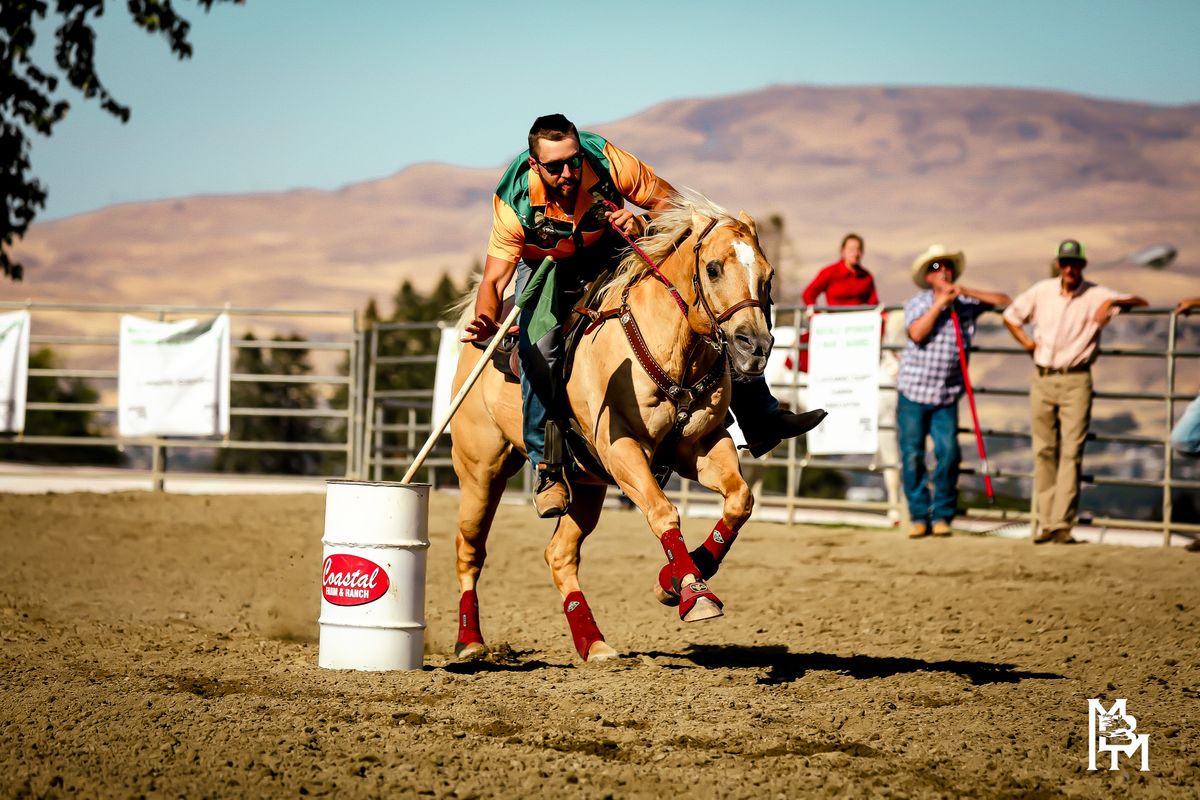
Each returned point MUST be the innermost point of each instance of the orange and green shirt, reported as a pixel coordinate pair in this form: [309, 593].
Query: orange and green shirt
[528, 224]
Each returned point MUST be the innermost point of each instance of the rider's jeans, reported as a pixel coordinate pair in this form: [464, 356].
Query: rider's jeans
[539, 360]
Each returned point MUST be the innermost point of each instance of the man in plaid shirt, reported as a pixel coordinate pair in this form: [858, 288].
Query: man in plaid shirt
[931, 382]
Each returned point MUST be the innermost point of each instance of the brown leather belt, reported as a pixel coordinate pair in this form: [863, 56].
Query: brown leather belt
[1044, 371]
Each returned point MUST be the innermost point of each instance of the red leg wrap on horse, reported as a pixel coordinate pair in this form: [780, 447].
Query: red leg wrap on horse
[708, 556]
[468, 618]
[584, 630]
[678, 557]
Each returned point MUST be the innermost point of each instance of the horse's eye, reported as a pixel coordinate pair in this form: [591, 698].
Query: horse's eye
[713, 269]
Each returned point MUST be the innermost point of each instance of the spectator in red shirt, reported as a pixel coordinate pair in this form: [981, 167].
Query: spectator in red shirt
[844, 282]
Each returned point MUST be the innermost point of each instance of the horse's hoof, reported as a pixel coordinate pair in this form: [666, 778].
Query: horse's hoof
[703, 609]
[471, 651]
[601, 651]
[698, 603]
[662, 592]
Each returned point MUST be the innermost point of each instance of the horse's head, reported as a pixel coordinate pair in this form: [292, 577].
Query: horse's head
[733, 282]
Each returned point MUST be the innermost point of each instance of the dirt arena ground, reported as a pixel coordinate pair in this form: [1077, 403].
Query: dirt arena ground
[166, 646]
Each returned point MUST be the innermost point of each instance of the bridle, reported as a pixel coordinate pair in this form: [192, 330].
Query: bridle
[715, 337]
[702, 299]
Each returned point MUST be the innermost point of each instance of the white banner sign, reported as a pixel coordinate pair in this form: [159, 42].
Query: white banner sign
[447, 364]
[843, 378]
[14, 370]
[173, 377]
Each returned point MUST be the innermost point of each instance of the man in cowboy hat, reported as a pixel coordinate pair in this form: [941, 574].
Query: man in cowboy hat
[543, 207]
[931, 382]
[1068, 314]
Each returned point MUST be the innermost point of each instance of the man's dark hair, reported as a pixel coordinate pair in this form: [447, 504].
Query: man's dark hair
[554, 127]
[848, 237]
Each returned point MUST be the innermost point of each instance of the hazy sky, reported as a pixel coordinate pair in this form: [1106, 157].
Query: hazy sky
[319, 93]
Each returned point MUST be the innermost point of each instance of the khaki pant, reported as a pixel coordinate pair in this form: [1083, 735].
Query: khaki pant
[1062, 409]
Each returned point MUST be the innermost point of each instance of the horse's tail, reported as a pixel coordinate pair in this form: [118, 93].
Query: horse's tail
[462, 310]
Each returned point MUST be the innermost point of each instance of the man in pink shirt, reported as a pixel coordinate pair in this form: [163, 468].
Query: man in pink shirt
[1068, 314]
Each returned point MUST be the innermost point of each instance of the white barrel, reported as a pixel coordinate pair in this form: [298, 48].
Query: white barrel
[373, 575]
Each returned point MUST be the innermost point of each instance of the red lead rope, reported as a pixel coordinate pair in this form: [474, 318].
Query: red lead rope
[962, 360]
[611, 206]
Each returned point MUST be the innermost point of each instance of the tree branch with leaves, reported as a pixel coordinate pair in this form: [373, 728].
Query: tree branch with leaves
[31, 100]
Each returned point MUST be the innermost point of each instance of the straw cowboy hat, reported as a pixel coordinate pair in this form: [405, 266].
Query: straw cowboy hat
[936, 252]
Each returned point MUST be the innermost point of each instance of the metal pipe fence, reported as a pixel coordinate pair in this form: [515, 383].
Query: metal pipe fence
[383, 380]
[340, 339]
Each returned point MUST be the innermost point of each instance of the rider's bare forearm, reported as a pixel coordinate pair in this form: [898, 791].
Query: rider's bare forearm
[496, 275]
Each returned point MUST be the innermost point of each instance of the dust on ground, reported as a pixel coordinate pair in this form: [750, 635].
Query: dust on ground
[165, 645]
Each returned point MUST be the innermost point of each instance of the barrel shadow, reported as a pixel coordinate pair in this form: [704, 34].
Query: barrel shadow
[784, 666]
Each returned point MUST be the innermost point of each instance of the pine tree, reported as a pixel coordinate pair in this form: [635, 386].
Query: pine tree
[282, 396]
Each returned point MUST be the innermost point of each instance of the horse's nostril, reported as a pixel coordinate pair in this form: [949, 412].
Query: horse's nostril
[751, 345]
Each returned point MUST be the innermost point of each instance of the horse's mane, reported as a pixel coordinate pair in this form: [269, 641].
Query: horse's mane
[664, 231]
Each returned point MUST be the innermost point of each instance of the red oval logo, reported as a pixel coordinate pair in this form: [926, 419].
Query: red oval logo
[352, 581]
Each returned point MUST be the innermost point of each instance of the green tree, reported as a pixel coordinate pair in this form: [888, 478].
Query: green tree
[410, 305]
[274, 396]
[30, 100]
[81, 424]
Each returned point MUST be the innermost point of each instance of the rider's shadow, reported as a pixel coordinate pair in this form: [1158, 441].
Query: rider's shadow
[784, 666]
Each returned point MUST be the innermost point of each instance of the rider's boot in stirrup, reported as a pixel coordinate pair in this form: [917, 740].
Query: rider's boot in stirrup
[553, 495]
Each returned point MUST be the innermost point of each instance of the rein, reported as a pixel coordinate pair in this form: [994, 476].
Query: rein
[611, 206]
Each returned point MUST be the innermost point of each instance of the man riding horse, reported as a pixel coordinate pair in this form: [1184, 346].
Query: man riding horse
[550, 202]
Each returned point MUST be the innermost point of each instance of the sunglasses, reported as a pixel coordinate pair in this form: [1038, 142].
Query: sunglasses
[556, 167]
[940, 265]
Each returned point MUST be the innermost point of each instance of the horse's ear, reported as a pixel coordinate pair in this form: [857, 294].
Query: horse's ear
[699, 222]
[748, 221]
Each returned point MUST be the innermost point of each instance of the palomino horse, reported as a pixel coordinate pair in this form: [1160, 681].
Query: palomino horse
[692, 337]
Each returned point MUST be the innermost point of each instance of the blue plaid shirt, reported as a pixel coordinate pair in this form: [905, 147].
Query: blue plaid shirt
[930, 372]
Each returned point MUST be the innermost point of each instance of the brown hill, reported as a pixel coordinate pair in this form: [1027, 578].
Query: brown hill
[1002, 173]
